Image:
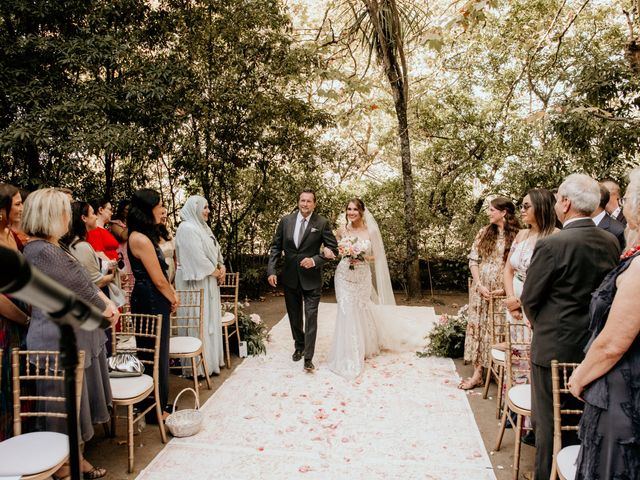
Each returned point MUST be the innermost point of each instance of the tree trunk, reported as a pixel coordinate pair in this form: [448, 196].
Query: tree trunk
[389, 46]
[410, 223]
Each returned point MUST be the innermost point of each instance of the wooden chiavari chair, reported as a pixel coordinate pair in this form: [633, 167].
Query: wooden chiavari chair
[128, 391]
[497, 319]
[187, 334]
[38, 379]
[564, 459]
[229, 291]
[518, 398]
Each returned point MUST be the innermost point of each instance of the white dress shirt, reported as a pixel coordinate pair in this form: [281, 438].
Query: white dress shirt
[598, 218]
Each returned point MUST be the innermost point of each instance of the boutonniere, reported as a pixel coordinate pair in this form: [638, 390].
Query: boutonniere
[314, 229]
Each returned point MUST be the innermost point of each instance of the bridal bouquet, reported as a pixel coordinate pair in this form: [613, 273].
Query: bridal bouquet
[353, 249]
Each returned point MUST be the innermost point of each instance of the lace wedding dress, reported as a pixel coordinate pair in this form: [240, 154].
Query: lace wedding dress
[368, 319]
[355, 337]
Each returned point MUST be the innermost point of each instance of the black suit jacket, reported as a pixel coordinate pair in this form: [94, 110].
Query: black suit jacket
[565, 268]
[614, 227]
[317, 233]
[621, 218]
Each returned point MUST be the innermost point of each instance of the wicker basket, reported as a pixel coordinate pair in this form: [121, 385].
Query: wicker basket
[185, 423]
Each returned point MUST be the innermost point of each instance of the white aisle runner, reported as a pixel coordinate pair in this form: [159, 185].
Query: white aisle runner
[403, 418]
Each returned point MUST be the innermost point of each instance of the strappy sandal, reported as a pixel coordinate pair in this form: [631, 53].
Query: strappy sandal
[95, 472]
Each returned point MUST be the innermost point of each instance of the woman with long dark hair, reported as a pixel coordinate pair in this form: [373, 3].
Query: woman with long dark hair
[152, 293]
[538, 214]
[486, 261]
[84, 220]
[14, 314]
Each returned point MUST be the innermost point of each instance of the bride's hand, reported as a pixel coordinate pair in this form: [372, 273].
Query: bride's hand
[328, 253]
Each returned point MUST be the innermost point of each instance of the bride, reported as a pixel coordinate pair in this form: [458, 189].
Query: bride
[367, 319]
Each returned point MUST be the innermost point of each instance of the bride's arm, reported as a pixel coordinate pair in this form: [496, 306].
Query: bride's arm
[326, 252]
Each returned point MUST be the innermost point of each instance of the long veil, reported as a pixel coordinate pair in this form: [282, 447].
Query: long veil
[382, 290]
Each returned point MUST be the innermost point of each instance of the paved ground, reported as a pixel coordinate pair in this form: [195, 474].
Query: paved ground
[112, 453]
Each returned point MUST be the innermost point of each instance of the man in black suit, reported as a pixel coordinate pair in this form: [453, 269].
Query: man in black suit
[614, 208]
[565, 268]
[604, 221]
[300, 235]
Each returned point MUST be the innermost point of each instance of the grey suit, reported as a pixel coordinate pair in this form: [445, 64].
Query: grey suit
[302, 287]
[565, 268]
[613, 226]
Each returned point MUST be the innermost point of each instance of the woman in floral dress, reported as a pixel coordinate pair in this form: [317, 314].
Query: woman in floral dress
[486, 261]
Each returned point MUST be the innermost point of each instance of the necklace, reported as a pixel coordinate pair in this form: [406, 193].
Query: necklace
[630, 252]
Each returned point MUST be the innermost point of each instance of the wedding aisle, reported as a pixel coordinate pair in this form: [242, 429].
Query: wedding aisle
[403, 418]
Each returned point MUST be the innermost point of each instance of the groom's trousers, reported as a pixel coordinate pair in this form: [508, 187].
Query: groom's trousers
[304, 330]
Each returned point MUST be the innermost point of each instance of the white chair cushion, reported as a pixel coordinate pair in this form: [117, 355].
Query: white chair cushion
[520, 396]
[129, 387]
[566, 461]
[184, 344]
[228, 317]
[498, 355]
[32, 453]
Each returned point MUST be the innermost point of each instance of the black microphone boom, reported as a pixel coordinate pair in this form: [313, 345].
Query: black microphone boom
[30, 285]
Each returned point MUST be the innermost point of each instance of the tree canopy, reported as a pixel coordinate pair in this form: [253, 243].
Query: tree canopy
[247, 102]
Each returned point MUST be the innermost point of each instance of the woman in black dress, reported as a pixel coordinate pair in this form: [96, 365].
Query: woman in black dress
[609, 377]
[152, 293]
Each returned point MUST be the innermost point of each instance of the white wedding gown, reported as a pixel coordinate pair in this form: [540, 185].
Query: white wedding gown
[356, 336]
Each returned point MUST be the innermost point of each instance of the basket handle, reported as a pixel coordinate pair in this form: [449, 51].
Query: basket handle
[197, 402]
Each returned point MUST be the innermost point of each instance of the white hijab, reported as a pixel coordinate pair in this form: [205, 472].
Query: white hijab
[193, 221]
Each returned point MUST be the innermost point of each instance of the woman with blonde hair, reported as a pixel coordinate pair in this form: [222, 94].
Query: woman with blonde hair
[607, 379]
[46, 218]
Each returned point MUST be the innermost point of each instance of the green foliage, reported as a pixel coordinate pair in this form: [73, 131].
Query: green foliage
[446, 339]
[252, 329]
[232, 100]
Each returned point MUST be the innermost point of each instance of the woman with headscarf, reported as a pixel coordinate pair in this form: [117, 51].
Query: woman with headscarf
[200, 265]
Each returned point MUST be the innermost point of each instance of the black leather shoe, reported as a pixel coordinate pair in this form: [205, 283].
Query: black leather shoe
[308, 365]
[297, 355]
[529, 438]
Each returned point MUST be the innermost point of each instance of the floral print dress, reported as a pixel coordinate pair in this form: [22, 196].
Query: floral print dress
[477, 344]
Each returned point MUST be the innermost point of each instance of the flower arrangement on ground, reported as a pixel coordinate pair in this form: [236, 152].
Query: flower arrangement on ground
[252, 329]
[353, 249]
[446, 339]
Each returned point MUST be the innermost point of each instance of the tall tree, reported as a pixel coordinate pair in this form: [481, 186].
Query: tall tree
[383, 25]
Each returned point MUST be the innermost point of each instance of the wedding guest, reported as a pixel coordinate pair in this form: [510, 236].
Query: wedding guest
[608, 376]
[606, 222]
[84, 220]
[486, 261]
[565, 268]
[152, 293]
[16, 217]
[46, 218]
[200, 265]
[614, 208]
[538, 214]
[14, 314]
[118, 228]
[168, 246]
[101, 239]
